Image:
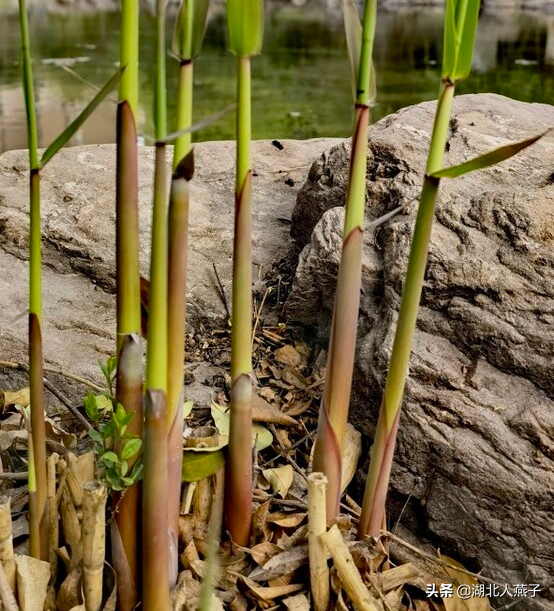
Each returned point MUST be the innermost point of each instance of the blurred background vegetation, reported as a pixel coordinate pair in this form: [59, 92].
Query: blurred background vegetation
[301, 82]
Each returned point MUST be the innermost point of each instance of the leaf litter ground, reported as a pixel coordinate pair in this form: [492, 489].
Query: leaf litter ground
[272, 573]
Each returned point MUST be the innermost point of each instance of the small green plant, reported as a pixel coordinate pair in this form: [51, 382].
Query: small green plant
[111, 424]
[109, 371]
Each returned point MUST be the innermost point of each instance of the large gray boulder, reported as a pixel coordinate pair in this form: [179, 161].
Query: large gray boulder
[78, 213]
[475, 456]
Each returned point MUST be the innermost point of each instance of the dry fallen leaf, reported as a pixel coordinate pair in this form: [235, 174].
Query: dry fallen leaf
[262, 552]
[19, 397]
[287, 355]
[269, 593]
[280, 479]
[292, 376]
[286, 520]
[298, 602]
[351, 455]
[281, 564]
[466, 583]
[262, 411]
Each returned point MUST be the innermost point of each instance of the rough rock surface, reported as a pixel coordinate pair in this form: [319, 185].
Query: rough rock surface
[476, 442]
[78, 239]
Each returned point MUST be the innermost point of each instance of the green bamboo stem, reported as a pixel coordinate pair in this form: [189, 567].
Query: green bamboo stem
[129, 54]
[184, 110]
[387, 425]
[176, 303]
[156, 352]
[158, 547]
[156, 355]
[238, 497]
[28, 87]
[126, 526]
[38, 508]
[160, 103]
[155, 549]
[127, 226]
[335, 401]
[125, 542]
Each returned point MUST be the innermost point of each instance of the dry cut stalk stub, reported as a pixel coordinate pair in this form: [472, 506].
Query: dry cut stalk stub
[94, 542]
[348, 573]
[7, 558]
[317, 525]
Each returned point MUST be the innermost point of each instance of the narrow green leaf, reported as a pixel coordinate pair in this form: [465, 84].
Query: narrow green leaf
[189, 30]
[450, 45]
[459, 35]
[467, 32]
[197, 126]
[70, 131]
[198, 465]
[488, 159]
[353, 31]
[131, 448]
[136, 472]
[246, 25]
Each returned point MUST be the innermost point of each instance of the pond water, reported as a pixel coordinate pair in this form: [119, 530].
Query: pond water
[301, 83]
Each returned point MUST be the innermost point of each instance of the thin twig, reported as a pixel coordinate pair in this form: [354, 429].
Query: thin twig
[222, 295]
[439, 561]
[258, 314]
[61, 397]
[59, 372]
[83, 80]
[23, 475]
[285, 454]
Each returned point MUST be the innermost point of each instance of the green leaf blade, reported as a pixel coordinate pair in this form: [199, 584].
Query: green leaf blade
[72, 129]
[467, 38]
[353, 31]
[491, 158]
[459, 35]
[449, 52]
[189, 30]
[199, 465]
[245, 20]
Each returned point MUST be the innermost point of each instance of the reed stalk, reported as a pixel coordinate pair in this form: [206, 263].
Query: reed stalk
[245, 20]
[125, 536]
[460, 25]
[155, 547]
[333, 413]
[38, 508]
[125, 529]
[187, 40]
[159, 549]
